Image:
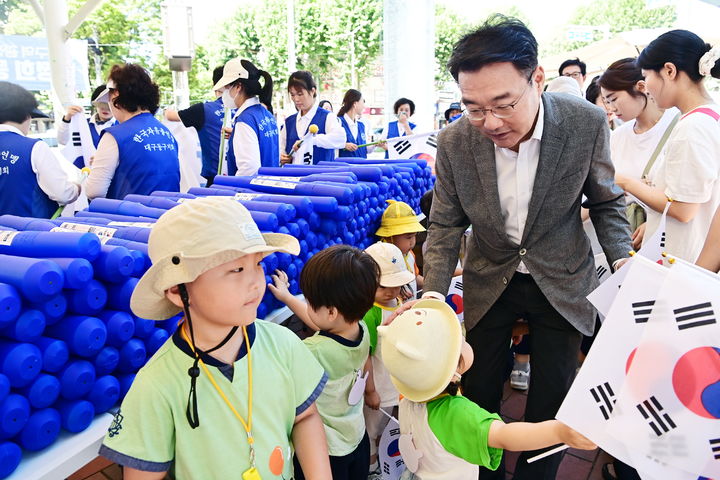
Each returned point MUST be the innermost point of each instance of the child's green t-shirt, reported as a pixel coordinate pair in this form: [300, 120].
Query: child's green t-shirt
[151, 431]
[341, 359]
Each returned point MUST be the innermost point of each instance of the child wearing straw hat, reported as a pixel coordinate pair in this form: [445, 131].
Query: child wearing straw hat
[443, 434]
[400, 225]
[228, 396]
[339, 284]
[380, 393]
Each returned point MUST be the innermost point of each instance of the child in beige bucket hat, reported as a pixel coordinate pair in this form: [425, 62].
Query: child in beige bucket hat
[205, 256]
[443, 434]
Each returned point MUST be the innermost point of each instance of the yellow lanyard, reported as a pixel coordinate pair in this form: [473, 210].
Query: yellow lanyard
[247, 426]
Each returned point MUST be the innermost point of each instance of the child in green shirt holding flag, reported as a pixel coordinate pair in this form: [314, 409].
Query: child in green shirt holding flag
[443, 434]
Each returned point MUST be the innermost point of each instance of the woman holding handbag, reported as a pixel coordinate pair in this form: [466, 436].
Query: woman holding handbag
[687, 174]
[637, 143]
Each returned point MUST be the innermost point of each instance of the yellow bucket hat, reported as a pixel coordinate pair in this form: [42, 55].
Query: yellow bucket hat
[398, 218]
[421, 349]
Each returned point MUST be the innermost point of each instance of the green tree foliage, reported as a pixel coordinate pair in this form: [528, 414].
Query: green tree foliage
[615, 16]
[449, 27]
[323, 29]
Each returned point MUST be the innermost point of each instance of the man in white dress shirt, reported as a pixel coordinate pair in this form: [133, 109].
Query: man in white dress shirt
[515, 167]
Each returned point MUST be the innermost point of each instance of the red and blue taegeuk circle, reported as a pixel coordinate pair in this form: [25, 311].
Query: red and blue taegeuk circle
[696, 381]
[456, 303]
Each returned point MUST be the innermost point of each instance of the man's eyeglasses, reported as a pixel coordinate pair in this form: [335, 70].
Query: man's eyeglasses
[501, 111]
[574, 75]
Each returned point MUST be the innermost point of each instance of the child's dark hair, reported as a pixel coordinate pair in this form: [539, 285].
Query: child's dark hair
[251, 86]
[136, 90]
[426, 203]
[342, 277]
[593, 90]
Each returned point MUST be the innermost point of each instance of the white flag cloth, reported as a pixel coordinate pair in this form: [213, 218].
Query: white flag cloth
[304, 154]
[454, 297]
[418, 145]
[603, 296]
[81, 142]
[590, 403]
[391, 462]
[669, 406]
[189, 154]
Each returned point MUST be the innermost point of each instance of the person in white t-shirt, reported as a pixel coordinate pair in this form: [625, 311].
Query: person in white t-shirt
[636, 143]
[710, 256]
[688, 173]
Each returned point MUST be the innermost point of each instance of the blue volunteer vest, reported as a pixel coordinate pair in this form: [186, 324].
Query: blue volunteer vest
[319, 154]
[359, 140]
[20, 193]
[209, 136]
[148, 158]
[265, 127]
[394, 132]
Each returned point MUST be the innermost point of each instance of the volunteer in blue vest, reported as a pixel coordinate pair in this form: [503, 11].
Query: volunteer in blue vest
[254, 136]
[138, 155]
[330, 136]
[404, 108]
[100, 119]
[32, 182]
[206, 118]
[326, 105]
[349, 114]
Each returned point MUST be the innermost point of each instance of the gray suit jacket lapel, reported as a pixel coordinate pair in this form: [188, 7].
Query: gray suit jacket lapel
[551, 148]
[483, 154]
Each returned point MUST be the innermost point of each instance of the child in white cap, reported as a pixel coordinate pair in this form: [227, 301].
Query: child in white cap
[380, 393]
[228, 396]
[443, 434]
[339, 284]
[400, 225]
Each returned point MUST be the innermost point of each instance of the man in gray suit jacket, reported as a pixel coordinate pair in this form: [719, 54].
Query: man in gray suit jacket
[516, 167]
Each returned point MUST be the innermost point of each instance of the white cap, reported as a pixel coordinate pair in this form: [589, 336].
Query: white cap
[393, 272]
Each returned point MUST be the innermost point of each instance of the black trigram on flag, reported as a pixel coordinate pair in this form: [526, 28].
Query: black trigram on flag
[459, 286]
[715, 447]
[695, 316]
[652, 411]
[402, 146]
[641, 311]
[605, 398]
[307, 158]
[76, 139]
[662, 240]
[432, 141]
[601, 270]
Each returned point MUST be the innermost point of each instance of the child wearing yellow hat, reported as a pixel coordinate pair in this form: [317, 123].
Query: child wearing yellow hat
[228, 396]
[400, 225]
[443, 434]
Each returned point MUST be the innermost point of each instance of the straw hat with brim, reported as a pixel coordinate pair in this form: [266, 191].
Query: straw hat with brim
[398, 218]
[192, 238]
[234, 69]
[421, 349]
[393, 272]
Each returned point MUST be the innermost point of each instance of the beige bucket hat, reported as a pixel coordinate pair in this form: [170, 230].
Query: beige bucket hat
[421, 349]
[192, 238]
[393, 272]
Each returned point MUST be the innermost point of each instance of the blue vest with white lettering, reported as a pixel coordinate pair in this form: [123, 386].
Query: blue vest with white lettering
[20, 193]
[209, 136]
[148, 158]
[393, 132]
[265, 127]
[359, 140]
[319, 154]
